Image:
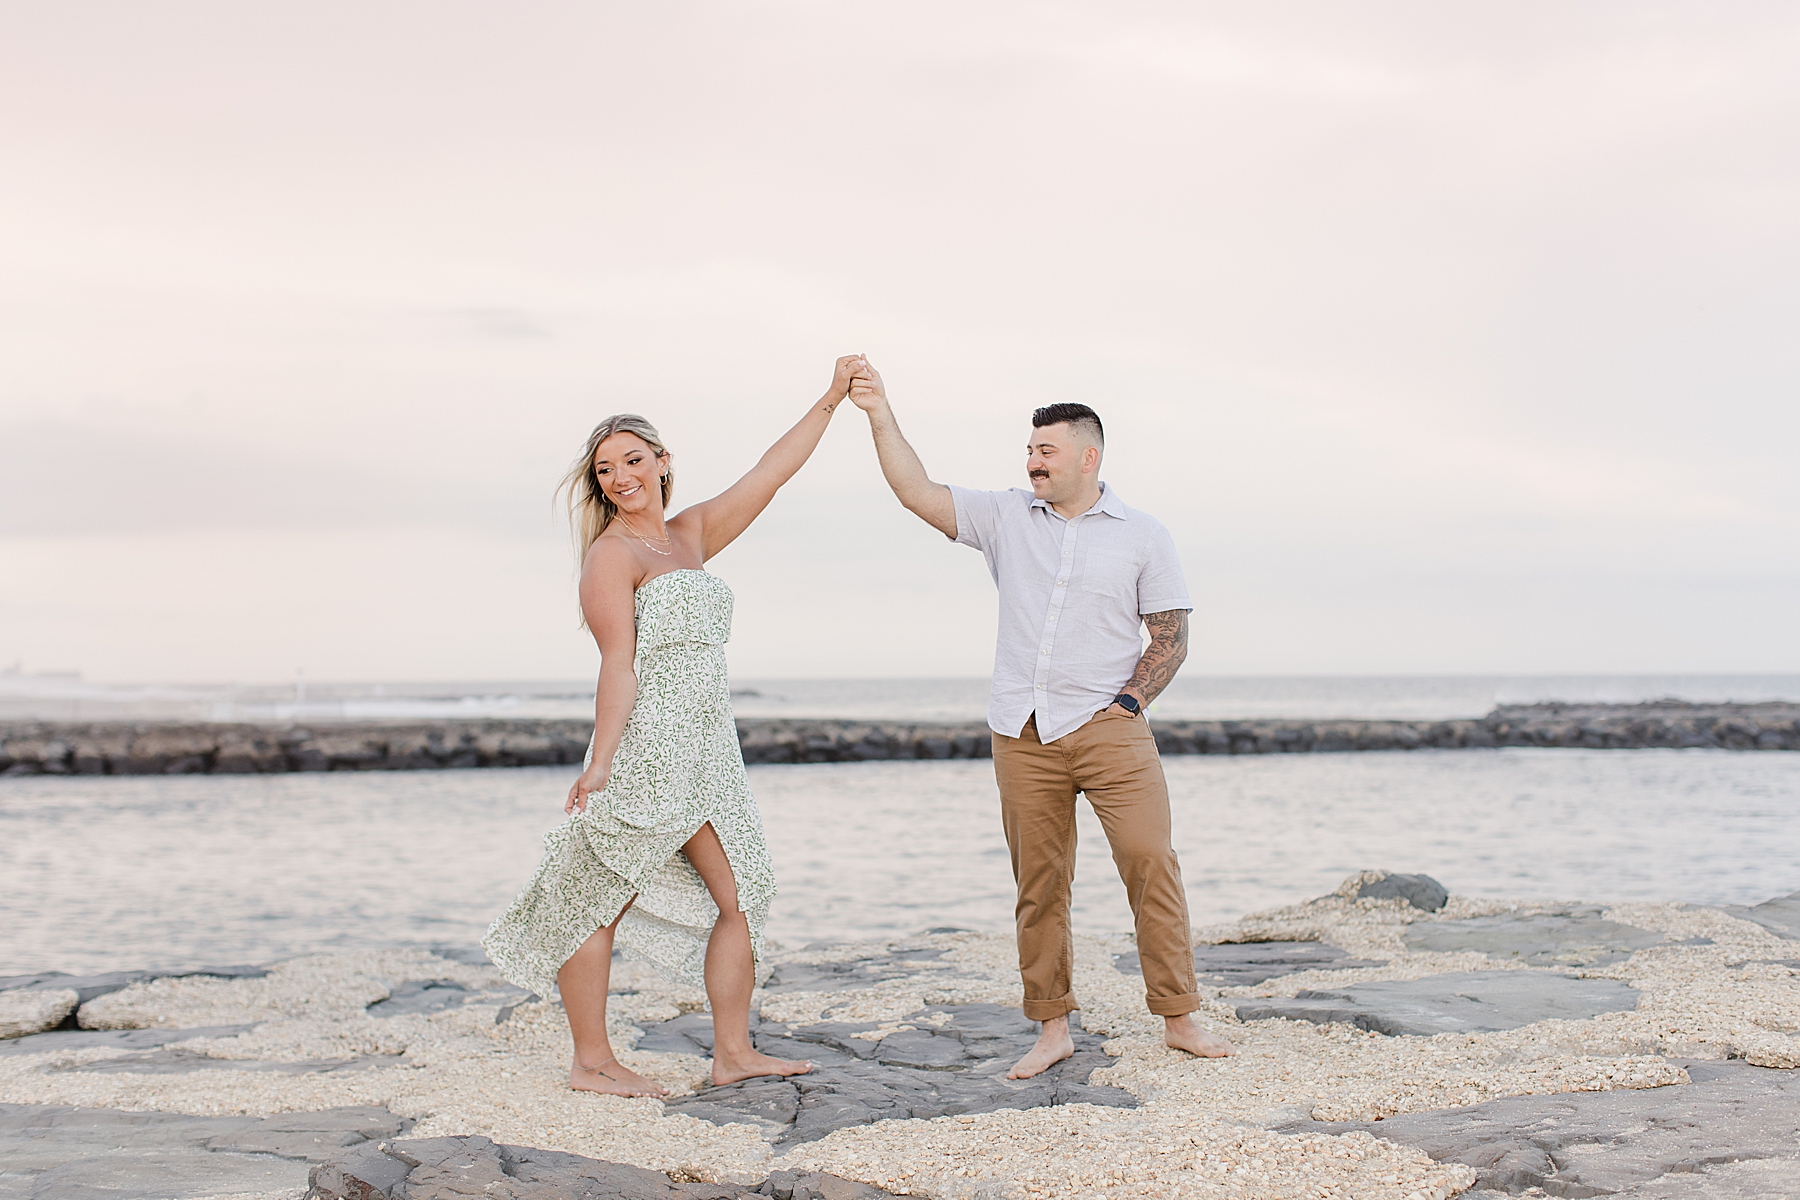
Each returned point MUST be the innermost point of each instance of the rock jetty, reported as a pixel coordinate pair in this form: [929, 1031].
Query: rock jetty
[53, 748]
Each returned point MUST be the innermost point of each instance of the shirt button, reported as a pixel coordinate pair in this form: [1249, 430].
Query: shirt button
[1046, 650]
[1061, 582]
[1040, 687]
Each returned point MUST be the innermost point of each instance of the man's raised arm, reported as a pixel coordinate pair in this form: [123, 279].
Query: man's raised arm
[931, 502]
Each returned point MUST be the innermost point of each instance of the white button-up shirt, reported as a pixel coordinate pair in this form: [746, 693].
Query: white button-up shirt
[1072, 595]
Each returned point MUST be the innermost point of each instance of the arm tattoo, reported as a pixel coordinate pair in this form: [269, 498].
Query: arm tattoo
[1163, 657]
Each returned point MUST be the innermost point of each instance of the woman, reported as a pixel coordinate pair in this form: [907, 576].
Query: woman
[663, 848]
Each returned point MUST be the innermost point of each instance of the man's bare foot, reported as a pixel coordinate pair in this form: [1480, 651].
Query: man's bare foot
[1053, 1045]
[749, 1066]
[613, 1078]
[1184, 1033]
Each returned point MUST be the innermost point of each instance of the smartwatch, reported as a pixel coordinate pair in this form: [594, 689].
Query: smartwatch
[1127, 702]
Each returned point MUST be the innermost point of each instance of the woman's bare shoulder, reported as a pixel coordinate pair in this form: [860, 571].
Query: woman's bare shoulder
[611, 561]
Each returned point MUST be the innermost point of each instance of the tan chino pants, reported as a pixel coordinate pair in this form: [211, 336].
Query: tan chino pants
[1113, 761]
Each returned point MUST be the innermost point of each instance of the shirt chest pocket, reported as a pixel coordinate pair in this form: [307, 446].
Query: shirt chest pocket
[1109, 574]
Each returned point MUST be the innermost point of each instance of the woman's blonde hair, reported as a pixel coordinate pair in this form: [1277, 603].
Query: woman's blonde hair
[590, 511]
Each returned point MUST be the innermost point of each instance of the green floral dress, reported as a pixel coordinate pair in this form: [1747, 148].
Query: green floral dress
[677, 768]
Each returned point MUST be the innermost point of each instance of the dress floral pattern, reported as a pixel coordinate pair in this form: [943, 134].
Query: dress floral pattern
[677, 768]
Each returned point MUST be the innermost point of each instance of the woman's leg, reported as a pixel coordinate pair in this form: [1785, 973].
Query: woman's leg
[730, 971]
[583, 981]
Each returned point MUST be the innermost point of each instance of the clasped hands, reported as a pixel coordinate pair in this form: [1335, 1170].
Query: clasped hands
[855, 378]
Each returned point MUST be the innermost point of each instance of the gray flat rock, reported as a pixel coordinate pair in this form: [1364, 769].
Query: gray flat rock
[1421, 891]
[1734, 1131]
[456, 1168]
[87, 987]
[1242, 964]
[1751, 1179]
[423, 996]
[184, 1062]
[57, 1040]
[419, 996]
[155, 1175]
[1466, 1002]
[1574, 937]
[1780, 916]
[959, 1067]
[53, 1152]
[795, 976]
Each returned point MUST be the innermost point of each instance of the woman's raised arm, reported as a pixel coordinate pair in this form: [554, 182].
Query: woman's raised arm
[728, 514]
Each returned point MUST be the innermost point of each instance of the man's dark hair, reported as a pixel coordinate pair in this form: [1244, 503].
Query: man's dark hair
[1078, 417]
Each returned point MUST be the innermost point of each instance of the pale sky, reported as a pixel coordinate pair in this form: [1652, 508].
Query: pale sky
[1444, 338]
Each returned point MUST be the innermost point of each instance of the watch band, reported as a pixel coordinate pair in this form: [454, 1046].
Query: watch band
[1128, 702]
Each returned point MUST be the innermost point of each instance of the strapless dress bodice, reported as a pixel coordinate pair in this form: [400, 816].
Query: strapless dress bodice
[686, 606]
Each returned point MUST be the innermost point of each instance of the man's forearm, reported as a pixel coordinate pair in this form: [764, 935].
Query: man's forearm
[1162, 657]
[900, 464]
[905, 474]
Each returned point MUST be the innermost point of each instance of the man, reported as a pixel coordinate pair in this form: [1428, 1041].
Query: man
[1077, 572]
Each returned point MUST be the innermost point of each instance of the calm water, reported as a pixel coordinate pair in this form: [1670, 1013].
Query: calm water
[100, 873]
[1194, 696]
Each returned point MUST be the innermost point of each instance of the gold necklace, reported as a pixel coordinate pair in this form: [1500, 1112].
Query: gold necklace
[648, 544]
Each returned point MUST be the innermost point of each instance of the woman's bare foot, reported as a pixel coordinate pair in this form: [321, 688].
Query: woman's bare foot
[748, 1066]
[613, 1078]
[1053, 1045]
[1184, 1033]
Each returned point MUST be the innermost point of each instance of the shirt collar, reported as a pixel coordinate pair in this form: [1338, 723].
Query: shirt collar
[1109, 503]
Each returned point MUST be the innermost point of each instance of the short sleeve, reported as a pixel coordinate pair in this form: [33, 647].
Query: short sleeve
[977, 516]
[1161, 586]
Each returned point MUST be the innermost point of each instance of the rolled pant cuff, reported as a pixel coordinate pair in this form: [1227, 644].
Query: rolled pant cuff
[1165, 1006]
[1049, 1010]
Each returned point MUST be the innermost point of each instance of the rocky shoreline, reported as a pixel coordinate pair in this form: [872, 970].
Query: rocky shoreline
[53, 748]
[1396, 1042]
